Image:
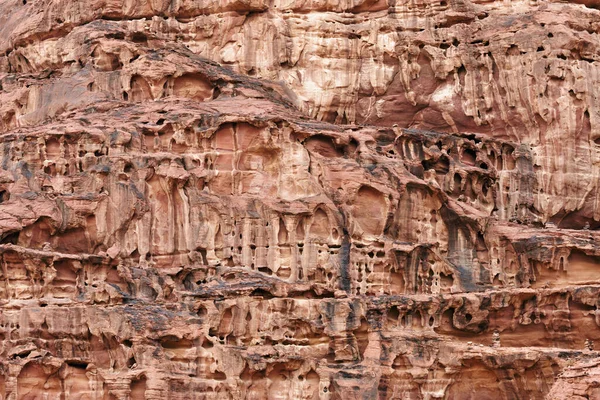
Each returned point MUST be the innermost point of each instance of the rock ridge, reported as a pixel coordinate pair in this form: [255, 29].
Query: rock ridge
[297, 199]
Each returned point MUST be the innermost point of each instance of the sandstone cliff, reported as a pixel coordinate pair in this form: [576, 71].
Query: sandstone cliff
[299, 199]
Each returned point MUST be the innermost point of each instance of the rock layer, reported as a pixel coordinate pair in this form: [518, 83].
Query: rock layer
[299, 200]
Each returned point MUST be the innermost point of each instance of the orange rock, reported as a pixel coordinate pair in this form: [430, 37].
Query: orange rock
[299, 199]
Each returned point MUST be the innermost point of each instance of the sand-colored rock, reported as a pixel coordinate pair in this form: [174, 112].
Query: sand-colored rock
[299, 199]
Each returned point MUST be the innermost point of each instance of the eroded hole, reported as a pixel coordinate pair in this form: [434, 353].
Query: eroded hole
[10, 238]
[139, 37]
[469, 156]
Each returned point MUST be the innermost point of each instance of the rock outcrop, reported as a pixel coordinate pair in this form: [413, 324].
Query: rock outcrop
[291, 199]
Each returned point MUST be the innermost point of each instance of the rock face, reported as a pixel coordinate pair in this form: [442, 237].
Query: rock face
[292, 199]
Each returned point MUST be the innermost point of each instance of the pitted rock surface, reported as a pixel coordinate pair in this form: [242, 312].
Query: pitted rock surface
[292, 199]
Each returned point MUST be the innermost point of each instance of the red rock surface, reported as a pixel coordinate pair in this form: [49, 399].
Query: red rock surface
[291, 199]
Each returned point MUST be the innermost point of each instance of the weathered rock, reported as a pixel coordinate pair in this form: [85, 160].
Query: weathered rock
[300, 200]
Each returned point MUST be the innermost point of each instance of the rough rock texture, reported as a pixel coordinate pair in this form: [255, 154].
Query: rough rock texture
[293, 199]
